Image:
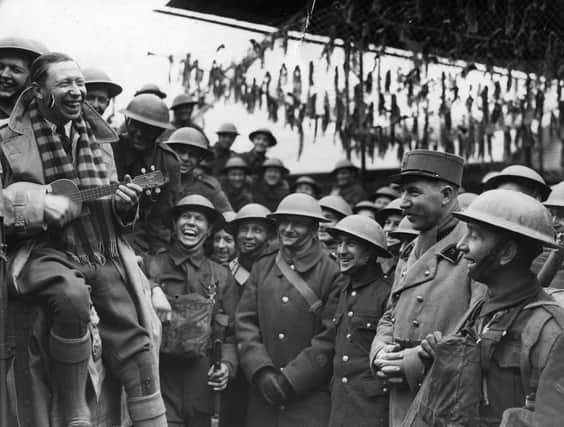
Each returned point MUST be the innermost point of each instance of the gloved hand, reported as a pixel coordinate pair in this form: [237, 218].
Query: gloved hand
[273, 386]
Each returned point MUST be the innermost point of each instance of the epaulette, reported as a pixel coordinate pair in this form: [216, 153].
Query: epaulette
[209, 180]
[404, 254]
[451, 254]
[4, 122]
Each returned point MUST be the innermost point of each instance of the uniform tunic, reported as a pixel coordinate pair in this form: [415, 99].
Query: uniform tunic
[184, 383]
[358, 397]
[153, 230]
[431, 292]
[276, 329]
[207, 186]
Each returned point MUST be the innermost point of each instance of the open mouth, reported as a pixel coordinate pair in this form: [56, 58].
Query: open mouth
[189, 233]
[73, 106]
[249, 246]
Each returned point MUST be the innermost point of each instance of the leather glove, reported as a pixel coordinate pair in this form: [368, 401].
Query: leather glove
[273, 386]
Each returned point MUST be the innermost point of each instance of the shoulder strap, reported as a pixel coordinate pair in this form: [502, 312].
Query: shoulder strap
[299, 284]
[531, 334]
[240, 274]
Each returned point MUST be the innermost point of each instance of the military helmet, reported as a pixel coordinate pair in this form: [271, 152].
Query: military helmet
[182, 99]
[464, 199]
[236, 162]
[151, 88]
[394, 207]
[306, 180]
[273, 162]
[190, 136]
[364, 228]
[513, 212]
[299, 204]
[200, 203]
[556, 197]
[344, 164]
[149, 109]
[95, 76]
[30, 48]
[254, 211]
[229, 128]
[386, 191]
[519, 173]
[336, 204]
[271, 139]
[405, 230]
[364, 205]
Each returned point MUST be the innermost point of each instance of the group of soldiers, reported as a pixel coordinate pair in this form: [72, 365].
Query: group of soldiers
[208, 273]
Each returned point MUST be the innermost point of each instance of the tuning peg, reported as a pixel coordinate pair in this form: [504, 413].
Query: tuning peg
[148, 193]
[143, 170]
[153, 168]
[157, 190]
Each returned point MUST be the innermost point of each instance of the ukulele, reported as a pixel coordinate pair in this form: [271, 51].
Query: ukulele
[66, 187]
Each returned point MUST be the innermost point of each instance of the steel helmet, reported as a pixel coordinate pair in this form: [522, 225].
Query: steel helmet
[405, 230]
[236, 162]
[271, 139]
[149, 109]
[556, 197]
[229, 216]
[363, 228]
[488, 176]
[519, 173]
[464, 200]
[387, 191]
[95, 76]
[336, 204]
[344, 164]
[200, 203]
[513, 212]
[151, 88]
[29, 47]
[306, 180]
[190, 136]
[229, 128]
[254, 211]
[299, 204]
[394, 207]
[182, 99]
[273, 162]
[364, 204]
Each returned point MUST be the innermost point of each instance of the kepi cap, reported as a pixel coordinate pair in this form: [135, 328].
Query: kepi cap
[431, 164]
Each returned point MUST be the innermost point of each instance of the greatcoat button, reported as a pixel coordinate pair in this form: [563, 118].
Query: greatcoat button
[353, 294]
[415, 323]
[420, 298]
[427, 272]
[369, 325]
[281, 336]
[350, 314]
[345, 358]
[344, 380]
[348, 336]
[285, 299]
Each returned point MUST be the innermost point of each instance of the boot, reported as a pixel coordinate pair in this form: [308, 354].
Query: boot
[147, 411]
[70, 373]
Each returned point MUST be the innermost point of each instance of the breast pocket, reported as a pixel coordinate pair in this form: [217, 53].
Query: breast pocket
[363, 326]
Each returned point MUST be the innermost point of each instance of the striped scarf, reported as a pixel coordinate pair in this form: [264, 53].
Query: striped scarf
[91, 237]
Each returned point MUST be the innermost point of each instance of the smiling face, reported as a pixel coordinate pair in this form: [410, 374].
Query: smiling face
[251, 235]
[272, 176]
[192, 229]
[344, 177]
[226, 140]
[62, 92]
[190, 157]
[391, 224]
[236, 177]
[424, 202]
[294, 231]
[224, 249]
[352, 253]
[261, 142]
[332, 219]
[98, 97]
[480, 247]
[14, 74]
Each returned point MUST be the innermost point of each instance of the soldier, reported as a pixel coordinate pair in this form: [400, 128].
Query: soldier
[262, 140]
[552, 272]
[519, 178]
[192, 146]
[222, 152]
[513, 337]
[405, 233]
[334, 209]
[345, 174]
[307, 185]
[72, 255]
[389, 218]
[273, 187]
[16, 56]
[151, 88]
[283, 309]
[100, 89]
[223, 246]
[384, 195]
[366, 208]
[203, 298]
[431, 289]
[138, 150]
[236, 187]
[358, 398]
